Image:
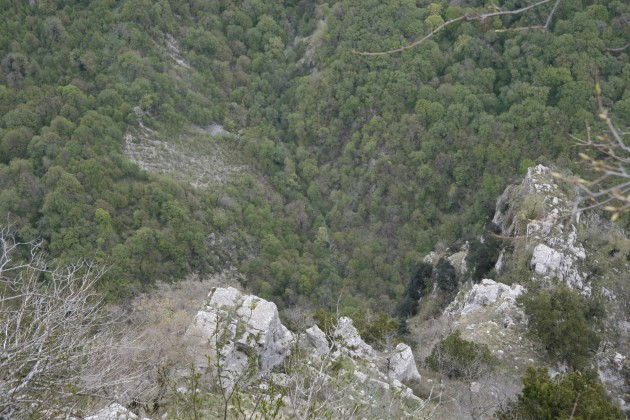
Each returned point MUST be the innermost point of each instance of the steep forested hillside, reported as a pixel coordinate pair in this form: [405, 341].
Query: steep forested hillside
[357, 165]
[76, 76]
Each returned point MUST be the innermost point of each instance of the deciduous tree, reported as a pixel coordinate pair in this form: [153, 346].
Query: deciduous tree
[57, 343]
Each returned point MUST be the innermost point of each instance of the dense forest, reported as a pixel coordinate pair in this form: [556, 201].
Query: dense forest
[356, 166]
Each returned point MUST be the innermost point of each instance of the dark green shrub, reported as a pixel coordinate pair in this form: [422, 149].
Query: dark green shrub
[564, 322]
[482, 256]
[418, 283]
[445, 276]
[376, 328]
[574, 395]
[458, 358]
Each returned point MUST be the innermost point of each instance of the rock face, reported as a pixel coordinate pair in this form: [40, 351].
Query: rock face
[236, 327]
[317, 339]
[483, 294]
[537, 210]
[542, 244]
[402, 365]
[351, 341]
[536, 217]
[113, 412]
[238, 339]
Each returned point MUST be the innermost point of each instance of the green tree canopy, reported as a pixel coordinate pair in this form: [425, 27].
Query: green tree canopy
[575, 395]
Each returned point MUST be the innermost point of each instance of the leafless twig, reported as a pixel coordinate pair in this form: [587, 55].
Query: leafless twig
[56, 341]
[620, 49]
[610, 190]
[471, 18]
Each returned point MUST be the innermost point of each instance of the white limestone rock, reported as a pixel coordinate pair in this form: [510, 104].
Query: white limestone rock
[431, 258]
[458, 260]
[221, 298]
[549, 262]
[317, 338]
[557, 252]
[537, 180]
[483, 294]
[362, 377]
[351, 341]
[245, 325]
[113, 412]
[536, 218]
[498, 266]
[402, 365]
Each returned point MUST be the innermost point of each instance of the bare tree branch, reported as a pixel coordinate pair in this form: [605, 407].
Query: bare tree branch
[611, 189]
[615, 50]
[471, 18]
[57, 343]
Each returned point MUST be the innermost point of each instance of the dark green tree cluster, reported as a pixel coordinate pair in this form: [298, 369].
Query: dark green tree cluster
[399, 152]
[565, 323]
[575, 395]
[419, 282]
[483, 254]
[445, 277]
[458, 358]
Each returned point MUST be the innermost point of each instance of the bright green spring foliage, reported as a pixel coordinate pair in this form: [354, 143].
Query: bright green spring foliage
[74, 76]
[357, 166]
[575, 395]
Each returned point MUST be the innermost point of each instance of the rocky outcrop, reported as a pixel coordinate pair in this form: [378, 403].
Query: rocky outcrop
[113, 412]
[550, 263]
[350, 340]
[458, 260]
[402, 365]
[235, 327]
[486, 293]
[533, 216]
[317, 339]
[535, 220]
[539, 211]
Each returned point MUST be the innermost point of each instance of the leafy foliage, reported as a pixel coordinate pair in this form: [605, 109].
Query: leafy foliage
[377, 329]
[458, 358]
[445, 277]
[565, 322]
[418, 283]
[573, 395]
[482, 256]
[357, 165]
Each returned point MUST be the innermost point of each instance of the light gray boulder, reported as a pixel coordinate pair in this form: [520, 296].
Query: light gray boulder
[549, 262]
[402, 365]
[234, 327]
[486, 293]
[113, 412]
[317, 339]
[351, 341]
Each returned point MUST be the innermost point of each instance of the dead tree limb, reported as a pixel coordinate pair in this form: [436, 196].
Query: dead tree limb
[472, 18]
[610, 190]
[616, 50]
